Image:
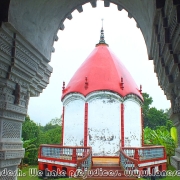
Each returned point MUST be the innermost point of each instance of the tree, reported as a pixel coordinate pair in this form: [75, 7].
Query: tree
[146, 106]
[51, 136]
[153, 117]
[174, 135]
[147, 102]
[30, 155]
[156, 118]
[34, 134]
[56, 121]
[29, 129]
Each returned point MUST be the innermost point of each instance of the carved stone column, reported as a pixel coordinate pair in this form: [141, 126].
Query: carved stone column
[24, 72]
[175, 116]
[166, 57]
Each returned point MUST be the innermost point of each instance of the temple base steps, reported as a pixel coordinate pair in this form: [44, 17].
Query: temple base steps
[175, 160]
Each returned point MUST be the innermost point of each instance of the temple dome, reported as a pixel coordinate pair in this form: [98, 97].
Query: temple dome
[102, 70]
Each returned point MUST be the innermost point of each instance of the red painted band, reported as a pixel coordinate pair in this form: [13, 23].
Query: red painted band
[86, 124]
[122, 125]
[62, 134]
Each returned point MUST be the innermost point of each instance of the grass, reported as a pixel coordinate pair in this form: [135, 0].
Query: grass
[24, 174]
[172, 169]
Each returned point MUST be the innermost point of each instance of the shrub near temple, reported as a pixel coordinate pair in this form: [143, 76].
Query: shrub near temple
[160, 136]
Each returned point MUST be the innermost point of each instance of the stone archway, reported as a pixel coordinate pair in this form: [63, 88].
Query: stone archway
[28, 30]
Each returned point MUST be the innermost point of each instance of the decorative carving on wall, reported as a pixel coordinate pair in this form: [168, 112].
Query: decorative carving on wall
[24, 72]
[18, 80]
[11, 129]
[176, 105]
[2, 105]
[12, 154]
[5, 47]
[28, 53]
[26, 98]
[9, 162]
[16, 108]
[46, 78]
[26, 60]
[2, 74]
[17, 94]
[3, 66]
[10, 145]
[21, 74]
[2, 97]
[12, 115]
[8, 90]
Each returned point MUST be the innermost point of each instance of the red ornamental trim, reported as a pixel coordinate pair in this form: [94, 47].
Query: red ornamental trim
[86, 124]
[142, 127]
[122, 125]
[62, 136]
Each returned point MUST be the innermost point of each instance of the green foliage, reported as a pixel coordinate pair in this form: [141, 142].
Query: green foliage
[147, 102]
[51, 136]
[174, 135]
[169, 124]
[29, 129]
[56, 121]
[153, 117]
[30, 156]
[147, 136]
[160, 136]
[27, 176]
[30, 136]
[34, 134]
[156, 118]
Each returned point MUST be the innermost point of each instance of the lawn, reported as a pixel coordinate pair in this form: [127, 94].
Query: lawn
[26, 174]
[170, 169]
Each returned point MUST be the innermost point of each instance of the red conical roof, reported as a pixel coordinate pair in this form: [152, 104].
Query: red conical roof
[104, 72]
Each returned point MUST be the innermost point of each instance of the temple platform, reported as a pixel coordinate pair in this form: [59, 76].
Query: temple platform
[105, 161]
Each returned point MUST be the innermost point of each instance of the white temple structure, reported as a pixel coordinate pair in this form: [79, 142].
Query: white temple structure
[102, 124]
[102, 105]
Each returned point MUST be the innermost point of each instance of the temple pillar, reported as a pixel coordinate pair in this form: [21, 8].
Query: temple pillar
[122, 125]
[24, 72]
[86, 125]
[174, 114]
[62, 132]
[165, 46]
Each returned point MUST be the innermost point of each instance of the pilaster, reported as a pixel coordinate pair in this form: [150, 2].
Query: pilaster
[142, 128]
[166, 55]
[62, 134]
[86, 125]
[122, 125]
[24, 72]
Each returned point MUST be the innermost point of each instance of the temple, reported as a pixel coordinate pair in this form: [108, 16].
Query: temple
[102, 122]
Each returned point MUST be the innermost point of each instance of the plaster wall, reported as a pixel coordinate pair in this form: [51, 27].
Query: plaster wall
[39, 20]
[74, 123]
[104, 126]
[132, 124]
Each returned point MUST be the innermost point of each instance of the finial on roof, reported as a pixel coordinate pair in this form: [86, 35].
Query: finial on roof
[102, 41]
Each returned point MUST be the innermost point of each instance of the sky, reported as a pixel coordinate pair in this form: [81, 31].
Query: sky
[78, 40]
